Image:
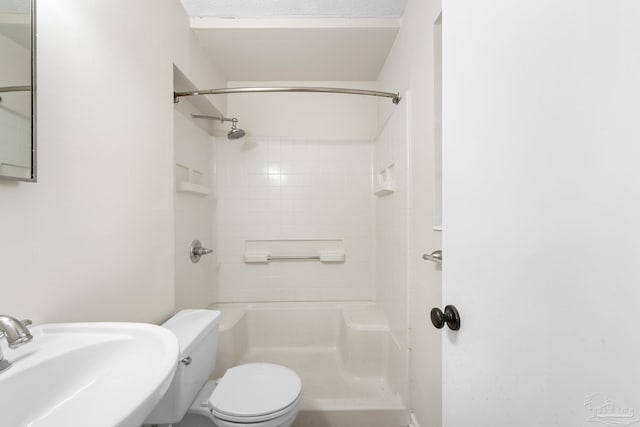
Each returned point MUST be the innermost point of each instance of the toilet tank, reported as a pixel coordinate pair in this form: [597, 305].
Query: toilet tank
[197, 332]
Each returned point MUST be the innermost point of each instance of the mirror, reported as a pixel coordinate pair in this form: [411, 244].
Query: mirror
[17, 90]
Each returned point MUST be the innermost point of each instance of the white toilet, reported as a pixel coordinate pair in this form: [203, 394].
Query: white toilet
[255, 394]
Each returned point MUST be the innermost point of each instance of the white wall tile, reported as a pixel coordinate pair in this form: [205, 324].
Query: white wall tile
[295, 188]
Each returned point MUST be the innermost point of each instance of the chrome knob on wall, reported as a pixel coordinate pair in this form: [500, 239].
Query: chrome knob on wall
[435, 256]
[197, 251]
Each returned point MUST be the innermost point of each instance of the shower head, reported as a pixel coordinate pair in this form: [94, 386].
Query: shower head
[235, 133]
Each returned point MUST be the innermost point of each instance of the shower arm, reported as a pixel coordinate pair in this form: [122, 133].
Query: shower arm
[395, 97]
[222, 119]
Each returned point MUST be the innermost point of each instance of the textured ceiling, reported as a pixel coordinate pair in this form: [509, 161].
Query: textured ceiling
[295, 8]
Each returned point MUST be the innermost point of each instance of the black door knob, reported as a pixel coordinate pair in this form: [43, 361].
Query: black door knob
[450, 317]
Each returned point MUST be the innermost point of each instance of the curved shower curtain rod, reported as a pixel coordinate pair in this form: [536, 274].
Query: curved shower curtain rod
[395, 97]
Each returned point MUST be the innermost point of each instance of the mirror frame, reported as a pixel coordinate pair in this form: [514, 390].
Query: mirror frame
[34, 139]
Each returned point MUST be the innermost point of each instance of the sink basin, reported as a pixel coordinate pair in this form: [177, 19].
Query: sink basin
[87, 374]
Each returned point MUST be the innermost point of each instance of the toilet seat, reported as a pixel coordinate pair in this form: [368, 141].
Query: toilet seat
[258, 421]
[255, 392]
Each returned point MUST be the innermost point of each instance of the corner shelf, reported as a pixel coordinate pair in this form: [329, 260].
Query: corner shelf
[385, 182]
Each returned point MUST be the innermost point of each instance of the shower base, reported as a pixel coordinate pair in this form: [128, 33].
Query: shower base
[340, 351]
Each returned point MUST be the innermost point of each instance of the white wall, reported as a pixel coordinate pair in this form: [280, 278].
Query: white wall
[307, 175]
[305, 115]
[411, 284]
[93, 239]
[194, 213]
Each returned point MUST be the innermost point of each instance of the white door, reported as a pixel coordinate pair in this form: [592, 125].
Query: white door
[542, 212]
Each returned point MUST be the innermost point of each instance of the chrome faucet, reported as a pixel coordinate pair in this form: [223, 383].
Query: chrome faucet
[16, 333]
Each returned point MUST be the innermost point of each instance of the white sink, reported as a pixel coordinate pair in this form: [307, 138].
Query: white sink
[87, 374]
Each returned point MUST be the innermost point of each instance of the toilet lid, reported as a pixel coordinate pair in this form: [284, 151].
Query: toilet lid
[255, 390]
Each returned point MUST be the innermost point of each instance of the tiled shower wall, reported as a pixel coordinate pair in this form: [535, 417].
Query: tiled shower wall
[288, 189]
[392, 212]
